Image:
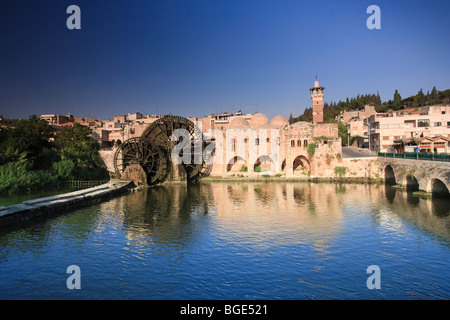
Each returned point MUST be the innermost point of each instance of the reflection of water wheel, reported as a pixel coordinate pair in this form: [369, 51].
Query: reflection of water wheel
[160, 133]
[153, 159]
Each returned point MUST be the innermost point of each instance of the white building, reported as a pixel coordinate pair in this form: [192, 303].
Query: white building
[385, 128]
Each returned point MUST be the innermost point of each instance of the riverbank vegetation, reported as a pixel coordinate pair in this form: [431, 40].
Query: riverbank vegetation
[34, 155]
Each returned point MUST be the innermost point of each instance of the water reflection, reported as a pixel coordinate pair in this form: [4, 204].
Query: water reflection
[432, 215]
[232, 240]
[178, 214]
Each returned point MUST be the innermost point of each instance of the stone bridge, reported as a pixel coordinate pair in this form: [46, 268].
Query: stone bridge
[423, 175]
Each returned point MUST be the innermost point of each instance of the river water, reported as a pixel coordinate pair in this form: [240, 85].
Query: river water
[226, 240]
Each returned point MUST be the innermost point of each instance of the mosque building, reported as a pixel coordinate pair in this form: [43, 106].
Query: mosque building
[252, 145]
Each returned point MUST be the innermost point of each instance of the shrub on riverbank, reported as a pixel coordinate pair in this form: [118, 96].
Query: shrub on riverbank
[30, 161]
[15, 177]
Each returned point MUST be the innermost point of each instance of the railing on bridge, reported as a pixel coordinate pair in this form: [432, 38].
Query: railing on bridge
[416, 156]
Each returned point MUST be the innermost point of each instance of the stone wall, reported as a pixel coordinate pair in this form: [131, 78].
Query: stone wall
[326, 130]
[108, 158]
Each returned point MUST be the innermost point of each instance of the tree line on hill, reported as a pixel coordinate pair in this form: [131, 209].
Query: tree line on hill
[31, 159]
[333, 109]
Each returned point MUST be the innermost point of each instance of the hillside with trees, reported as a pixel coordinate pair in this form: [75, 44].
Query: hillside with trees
[332, 109]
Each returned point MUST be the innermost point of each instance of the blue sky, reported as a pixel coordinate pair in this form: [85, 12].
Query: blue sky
[197, 57]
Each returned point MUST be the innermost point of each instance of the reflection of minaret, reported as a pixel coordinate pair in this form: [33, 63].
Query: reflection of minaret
[317, 101]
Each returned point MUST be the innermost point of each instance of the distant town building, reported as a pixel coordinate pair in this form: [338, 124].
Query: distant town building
[121, 128]
[438, 144]
[386, 128]
[356, 115]
[57, 120]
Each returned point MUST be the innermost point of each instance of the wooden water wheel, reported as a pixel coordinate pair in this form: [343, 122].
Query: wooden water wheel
[153, 150]
[153, 159]
[162, 133]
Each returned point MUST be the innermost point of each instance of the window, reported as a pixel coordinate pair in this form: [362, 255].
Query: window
[438, 124]
[448, 124]
[233, 144]
[423, 123]
[299, 143]
[257, 141]
[305, 143]
[386, 138]
[292, 143]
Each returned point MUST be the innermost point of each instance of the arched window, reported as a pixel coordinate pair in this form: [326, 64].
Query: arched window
[257, 141]
[299, 143]
[292, 143]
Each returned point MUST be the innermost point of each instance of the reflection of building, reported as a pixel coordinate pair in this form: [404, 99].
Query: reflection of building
[385, 128]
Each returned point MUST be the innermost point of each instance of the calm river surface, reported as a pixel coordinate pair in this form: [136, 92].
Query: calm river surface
[236, 241]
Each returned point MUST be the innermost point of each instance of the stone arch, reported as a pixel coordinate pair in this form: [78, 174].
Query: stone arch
[283, 165]
[389, 175]
[411, 183]
[437, 186]
[265, 163]
[235, 164]
[301, 164]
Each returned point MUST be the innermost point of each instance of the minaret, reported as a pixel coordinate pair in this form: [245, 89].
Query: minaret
[317, 101]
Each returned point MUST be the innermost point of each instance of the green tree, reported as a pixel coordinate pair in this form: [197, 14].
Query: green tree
[397, 98]
[434, 96]
[420, 99]
[77, 146]
[343, 133]
[26, 140]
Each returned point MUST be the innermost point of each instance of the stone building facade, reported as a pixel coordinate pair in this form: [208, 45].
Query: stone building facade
[261, 147]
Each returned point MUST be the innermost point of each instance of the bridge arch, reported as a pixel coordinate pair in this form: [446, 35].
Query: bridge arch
[437, 186]
[389, 175]
[411, 183]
